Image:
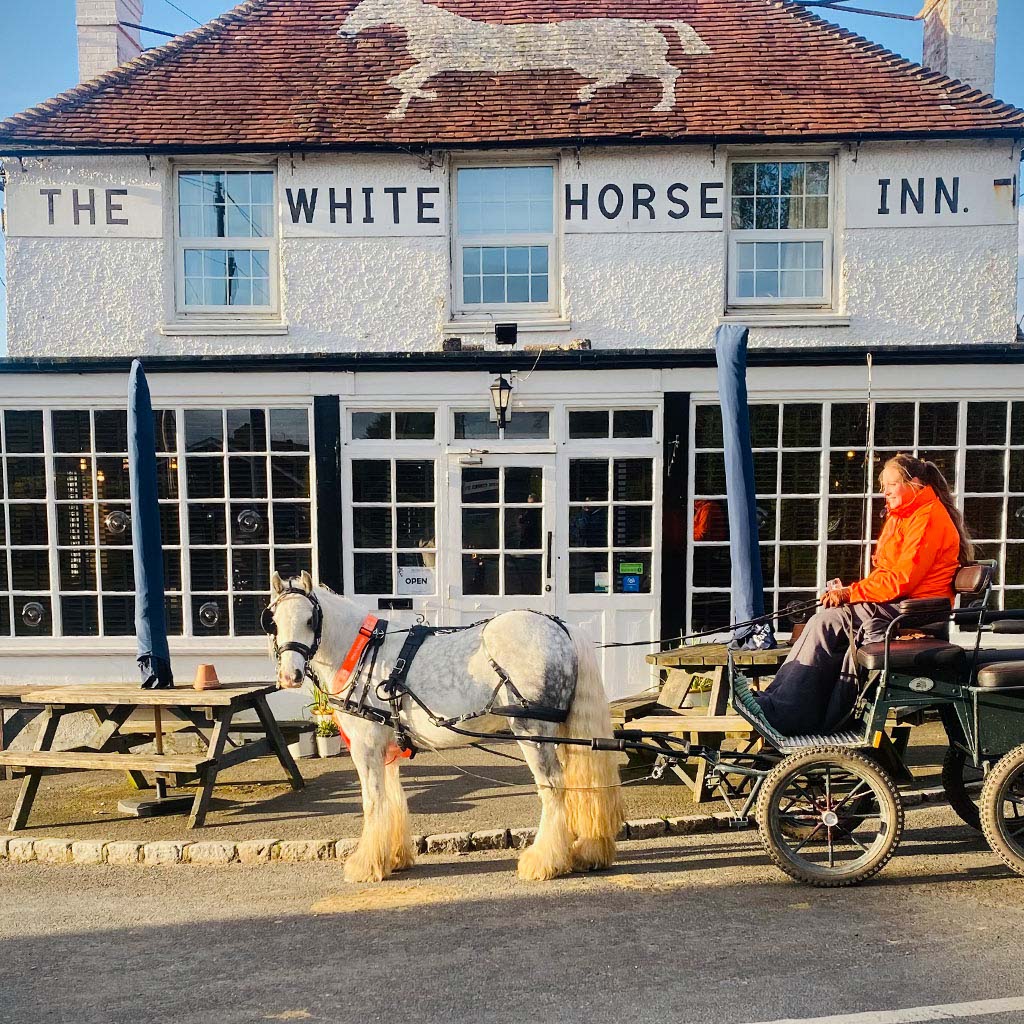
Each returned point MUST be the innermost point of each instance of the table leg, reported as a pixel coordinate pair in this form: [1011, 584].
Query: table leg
[208, 778]
[277, 743]
[30, 784]
[106, 736]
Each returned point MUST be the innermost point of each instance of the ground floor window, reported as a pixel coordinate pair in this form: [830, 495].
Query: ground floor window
[815, 469]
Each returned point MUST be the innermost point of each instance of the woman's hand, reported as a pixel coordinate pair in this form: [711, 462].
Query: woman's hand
[834, 598]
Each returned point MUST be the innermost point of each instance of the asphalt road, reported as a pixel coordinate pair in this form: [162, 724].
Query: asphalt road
[690, 931]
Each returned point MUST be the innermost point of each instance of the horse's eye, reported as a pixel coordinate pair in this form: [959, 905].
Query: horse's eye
[309, 622]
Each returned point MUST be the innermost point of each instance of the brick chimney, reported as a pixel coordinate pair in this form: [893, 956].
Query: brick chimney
[103, 40]
[960, 40]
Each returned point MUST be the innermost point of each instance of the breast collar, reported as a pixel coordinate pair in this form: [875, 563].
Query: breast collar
[373, 629]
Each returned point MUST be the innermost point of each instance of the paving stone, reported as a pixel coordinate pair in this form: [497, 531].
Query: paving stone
[420, 842]
[690, 824]
[305, 849]
[911, 799]
[21, 851]
[623, 834]
[210, 854]
[53, 851]
[646, 828]
[449, 842]
[343, 848]
[493, 839]
[3, 847]
[123, 853]
[163, 853]
[520, 838]
[256, 851]
[88, 851]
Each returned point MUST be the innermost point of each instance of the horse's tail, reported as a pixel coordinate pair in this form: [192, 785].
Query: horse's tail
[691, 42]
[593, 794]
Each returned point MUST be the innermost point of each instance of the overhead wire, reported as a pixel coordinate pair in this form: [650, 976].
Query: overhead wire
[180, 11]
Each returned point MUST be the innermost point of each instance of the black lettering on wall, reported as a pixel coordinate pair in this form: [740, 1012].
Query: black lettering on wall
[423, 206]
[907, 193]
[368, 205]
[620, 199]
[583, 202]
[395, 193]
[643, 198]
[78, 207]
[113, 207]
[710, 206]
[942, 192]
[302, 203]
[50, 193]
[883, 196]
[337, 206]
[677, 200]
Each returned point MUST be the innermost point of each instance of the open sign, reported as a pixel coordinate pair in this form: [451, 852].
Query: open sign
[415, 579]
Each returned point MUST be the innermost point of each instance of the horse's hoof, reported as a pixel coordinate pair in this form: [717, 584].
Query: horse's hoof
[534, 867]
[355, 872]
[593, 854]
[403, 860]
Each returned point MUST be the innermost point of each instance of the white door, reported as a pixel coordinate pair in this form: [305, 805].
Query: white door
[501, 535]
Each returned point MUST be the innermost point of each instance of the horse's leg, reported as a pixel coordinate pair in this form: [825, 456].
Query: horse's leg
[550, 854]
[403, 853]
[373, 858]
[668, 77]
[410, 84]
[587, 93]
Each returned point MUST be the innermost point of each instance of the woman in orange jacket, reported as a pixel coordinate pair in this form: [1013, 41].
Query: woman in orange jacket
[921, 546]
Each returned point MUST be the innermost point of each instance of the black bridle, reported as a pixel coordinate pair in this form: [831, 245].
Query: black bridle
[316, 624]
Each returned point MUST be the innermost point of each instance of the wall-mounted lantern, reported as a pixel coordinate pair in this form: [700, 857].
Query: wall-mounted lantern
[501, 396]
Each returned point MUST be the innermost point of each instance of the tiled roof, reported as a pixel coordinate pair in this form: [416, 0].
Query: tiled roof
[277, 74]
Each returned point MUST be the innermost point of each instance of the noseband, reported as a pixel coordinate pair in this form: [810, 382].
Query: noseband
[269, 627]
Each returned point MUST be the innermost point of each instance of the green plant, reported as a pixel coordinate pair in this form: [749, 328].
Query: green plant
[321, 706]
[326, 726]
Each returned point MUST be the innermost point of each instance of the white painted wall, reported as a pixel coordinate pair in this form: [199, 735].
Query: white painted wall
[658, 290]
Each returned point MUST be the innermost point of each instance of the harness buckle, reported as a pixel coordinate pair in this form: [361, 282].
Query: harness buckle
[400, 665]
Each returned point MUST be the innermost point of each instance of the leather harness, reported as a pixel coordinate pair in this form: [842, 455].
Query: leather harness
[360, 662]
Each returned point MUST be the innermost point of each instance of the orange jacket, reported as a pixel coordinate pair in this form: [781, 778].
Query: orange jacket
[917, 554]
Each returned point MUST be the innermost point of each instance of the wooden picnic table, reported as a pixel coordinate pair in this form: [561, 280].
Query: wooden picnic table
[209, 713]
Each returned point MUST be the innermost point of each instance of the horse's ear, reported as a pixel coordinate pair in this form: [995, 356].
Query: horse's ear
[276, 583]
[307, 582]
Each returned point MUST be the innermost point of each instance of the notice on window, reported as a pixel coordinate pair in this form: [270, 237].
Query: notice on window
[413, 580]
[602, 582]
[631, 568]
[38, 209]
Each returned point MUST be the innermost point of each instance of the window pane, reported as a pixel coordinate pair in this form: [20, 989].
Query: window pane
[473, 426]
[289, 477]
[33, 616]
[72, 431]
[23, 431]
[986, 423]
[798, 566]
[480, 486]
[845, 518]
[27, 477]
[210, 615]
[765, 472]
[634, 479]
[632, 526]
[708, 426]
[801, 472]
[28, 524]
[588, 479]
[894, 425]
[632, 572]
[79, 616]
[801, 426]
[414, 481]
[633, 423]
[588, 573]
[712, 567]
[292, 524]
[248, 610]
[372, 573]
[250, 523]
[77, 570]
[743, 217]
[711, 611]
[414, 426]
[206, 524]
[523, 574]
[849, 425]
[291, 562]
[847, 472]
[743, 179]
[75, 526]
[209, 569]
[588, 526]
[709, 473]
[984, 517]
[844, 562]
[710, 520]
[289, 430]
[247, 430]
[204, 477]
[247, 475]
[588, 424]
[415, 528]
[798, 520]
[523, 529]
[371, 480]
[528, 426]
[117, 570]
[764, 426]
[817, 178]
[523, 484]
[479, 574]
[204, 430]
[371, 528]
[30, 570]
[767, 179]
[371, 426]
[480, 529]
[937, 423]
[985, 471]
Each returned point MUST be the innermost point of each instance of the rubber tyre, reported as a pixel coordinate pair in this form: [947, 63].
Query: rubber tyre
[967, 807]
[772, 833]
[1007, 771]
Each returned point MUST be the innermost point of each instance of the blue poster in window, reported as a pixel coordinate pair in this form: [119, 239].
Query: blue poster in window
[631, 584]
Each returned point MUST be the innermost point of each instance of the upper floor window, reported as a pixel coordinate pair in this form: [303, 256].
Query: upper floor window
[504, 246]
[780, 242]
[226, 251]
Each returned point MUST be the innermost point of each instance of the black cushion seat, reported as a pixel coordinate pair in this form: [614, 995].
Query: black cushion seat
[1001, 673]
[922, 656]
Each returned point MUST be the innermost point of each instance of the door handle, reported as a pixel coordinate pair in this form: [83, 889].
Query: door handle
[549, 556]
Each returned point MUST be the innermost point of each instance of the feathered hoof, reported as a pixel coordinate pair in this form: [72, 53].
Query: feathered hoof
[359, 869]
[538, 866]
[593, 854]
[403, 859]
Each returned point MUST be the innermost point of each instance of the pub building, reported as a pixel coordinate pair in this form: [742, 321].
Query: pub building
[427, 292]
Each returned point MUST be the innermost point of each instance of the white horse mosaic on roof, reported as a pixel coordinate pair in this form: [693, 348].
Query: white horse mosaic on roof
[606, 50]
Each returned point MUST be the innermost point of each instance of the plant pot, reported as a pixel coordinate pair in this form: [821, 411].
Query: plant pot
[328, 746]
[701, 699]
[304, 746]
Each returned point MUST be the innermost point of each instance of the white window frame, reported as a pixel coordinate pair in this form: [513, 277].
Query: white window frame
[512, 311]
[268, 244]
[824, 235]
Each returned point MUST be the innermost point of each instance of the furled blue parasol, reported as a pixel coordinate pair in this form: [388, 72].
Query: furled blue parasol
[150, 615]
[744, 552]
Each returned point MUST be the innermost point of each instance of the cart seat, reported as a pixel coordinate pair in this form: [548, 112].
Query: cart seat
[1003, 673]
[922, 656]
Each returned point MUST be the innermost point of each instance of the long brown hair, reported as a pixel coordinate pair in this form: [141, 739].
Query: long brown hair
[930, 475]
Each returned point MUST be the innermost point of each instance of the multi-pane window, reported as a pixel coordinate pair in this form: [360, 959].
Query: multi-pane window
[393, 525]
[388, 426]
[234, 491]
[619, 423]
[226, 241]
[481, 425]
[248, 503]
[816, 468]
[780, 243]
[504, 237]
[611, 515]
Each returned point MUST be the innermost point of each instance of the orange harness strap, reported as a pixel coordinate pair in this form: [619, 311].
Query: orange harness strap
[344, 674]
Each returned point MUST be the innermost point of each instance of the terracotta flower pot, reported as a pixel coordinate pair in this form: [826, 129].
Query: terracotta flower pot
[206, 678]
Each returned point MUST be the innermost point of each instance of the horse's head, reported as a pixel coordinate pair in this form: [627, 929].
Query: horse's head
[371, 14]
[294, 622]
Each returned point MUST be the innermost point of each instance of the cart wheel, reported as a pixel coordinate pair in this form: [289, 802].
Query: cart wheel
[811, 795]
[1002, 809]
[962, 783]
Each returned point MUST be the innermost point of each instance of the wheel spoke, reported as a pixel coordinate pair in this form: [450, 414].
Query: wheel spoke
[857, 790]
[831, 851]
[849, 835]
[809, 838]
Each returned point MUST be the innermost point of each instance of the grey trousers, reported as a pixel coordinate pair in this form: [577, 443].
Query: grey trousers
[816, 685]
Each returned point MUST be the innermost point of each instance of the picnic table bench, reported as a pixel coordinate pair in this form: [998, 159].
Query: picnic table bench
[208, 713]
